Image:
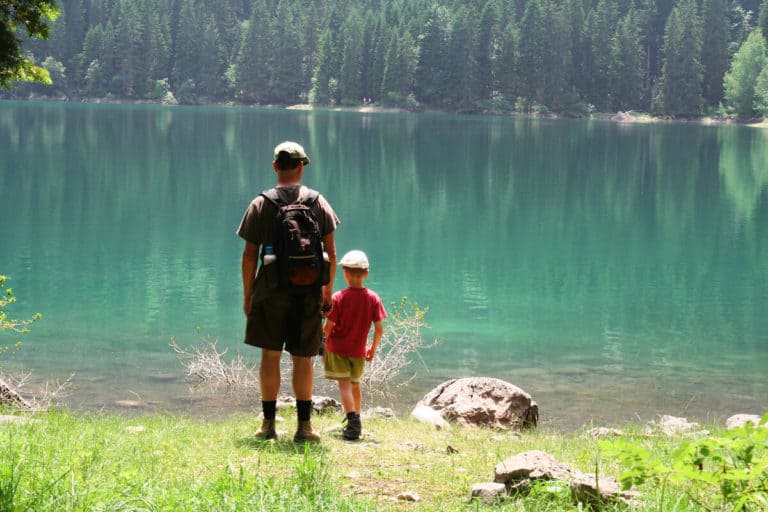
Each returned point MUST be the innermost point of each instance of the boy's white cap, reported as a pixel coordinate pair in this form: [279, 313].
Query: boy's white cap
[355, 259]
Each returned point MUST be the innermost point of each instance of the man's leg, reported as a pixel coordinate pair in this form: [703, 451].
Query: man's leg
[303, 380]
[303, 377]
[269, 374]
[269, 380]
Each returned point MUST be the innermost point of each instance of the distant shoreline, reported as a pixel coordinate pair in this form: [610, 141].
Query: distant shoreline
[628, 117]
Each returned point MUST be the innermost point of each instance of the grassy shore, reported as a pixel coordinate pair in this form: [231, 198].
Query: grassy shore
[62, 461]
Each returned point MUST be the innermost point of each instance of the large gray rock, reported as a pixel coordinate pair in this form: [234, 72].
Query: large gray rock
[740, 420]
[519, 472]
[483, 401]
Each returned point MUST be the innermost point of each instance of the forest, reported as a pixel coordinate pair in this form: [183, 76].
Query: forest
[672, 58]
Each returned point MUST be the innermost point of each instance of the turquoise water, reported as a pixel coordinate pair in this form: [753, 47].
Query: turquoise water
[612, 271]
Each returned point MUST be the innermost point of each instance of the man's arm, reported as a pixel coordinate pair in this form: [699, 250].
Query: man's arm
[329, 246]
[249, 264]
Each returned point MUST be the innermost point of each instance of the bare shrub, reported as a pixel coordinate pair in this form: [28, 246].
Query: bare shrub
[399, 350]
[206, 365]
[18, 391]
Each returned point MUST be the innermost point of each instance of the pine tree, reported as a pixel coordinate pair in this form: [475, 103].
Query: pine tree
[741, 78]
[762, 20]
[533, 35]
[431, 70]
[255, 60]
[350, 77]
[506, 65]
[714, 56]
[462, 72]
[288, 75]
[601, 26]
[399, 69]
[682, 71]
[557, 57]
[627, 64]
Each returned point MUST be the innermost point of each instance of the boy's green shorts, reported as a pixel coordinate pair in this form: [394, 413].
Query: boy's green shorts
[338, 367]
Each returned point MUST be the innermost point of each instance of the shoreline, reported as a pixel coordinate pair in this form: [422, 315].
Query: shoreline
[620, 117]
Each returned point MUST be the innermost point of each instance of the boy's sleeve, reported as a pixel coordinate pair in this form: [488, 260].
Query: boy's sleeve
[379, 313]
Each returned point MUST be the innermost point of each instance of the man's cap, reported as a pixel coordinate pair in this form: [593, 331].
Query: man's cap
[292, 150]
[355, 259]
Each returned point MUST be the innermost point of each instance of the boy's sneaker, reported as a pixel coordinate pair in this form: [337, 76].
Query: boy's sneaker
[353, 428]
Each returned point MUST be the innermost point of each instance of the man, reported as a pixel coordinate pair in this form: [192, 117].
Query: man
[278, 317]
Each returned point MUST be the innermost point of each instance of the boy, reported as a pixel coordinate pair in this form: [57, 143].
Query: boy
[346, 331]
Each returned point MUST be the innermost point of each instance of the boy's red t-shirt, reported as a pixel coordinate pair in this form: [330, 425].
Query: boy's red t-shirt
[354, 310]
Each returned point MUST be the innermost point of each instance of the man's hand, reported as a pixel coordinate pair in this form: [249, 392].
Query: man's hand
[369, 354]
[325, 309]
[246, 305]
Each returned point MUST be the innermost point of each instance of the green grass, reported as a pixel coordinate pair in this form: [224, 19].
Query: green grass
[63, 461]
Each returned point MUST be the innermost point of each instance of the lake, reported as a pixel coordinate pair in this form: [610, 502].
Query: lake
[613, 271]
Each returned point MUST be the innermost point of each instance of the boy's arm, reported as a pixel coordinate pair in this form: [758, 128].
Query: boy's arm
[378, 332]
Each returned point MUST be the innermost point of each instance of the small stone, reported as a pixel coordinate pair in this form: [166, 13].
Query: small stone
[488, 492]
[135, 429]
[131, 404]
[409, 496]
[605, 432]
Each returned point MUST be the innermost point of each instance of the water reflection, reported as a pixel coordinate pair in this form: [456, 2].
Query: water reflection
[744, 168]
[570, 257]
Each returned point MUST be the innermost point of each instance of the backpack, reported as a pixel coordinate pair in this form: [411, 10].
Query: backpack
[297, 243]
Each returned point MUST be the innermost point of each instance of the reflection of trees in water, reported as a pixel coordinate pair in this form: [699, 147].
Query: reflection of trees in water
[547, 230]
[744, 168]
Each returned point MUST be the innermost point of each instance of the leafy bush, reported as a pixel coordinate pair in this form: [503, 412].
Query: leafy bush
[726, 472]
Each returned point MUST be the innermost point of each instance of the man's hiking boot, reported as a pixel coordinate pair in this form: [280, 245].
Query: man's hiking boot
[353, 428]
[305, 434]
[267, 430]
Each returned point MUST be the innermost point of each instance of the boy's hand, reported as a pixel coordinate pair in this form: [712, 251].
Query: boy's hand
[369, 354]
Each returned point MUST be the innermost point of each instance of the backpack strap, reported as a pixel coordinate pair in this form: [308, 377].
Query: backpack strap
[308, 198]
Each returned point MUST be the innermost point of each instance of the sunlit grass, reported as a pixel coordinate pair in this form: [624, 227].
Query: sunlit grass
[62, 461]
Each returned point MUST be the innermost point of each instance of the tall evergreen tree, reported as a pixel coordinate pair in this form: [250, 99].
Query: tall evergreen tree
[600, 28]
[762, 20]
[188, 47]
[557, 57]
[532, 40]
[431, 69]
[350, 77]
[714, 52]
[255, 61]
[741, 78]
[682, 71]
[399, 69]
[462, 72]
[627, 64]
[506, 64]
[288, 75]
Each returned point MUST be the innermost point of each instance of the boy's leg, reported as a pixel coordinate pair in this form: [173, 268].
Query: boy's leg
[357, 396]
[347, 396]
